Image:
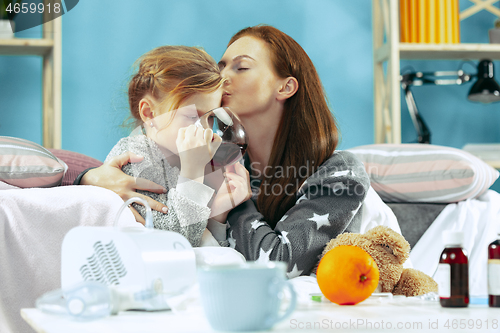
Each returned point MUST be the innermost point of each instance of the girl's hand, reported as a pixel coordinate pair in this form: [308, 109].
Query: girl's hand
[233, 191]
[196, 147]
[110, 176]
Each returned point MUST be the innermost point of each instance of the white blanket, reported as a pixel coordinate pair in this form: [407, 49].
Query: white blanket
[375, 212]
[33, 223]
[478, 219]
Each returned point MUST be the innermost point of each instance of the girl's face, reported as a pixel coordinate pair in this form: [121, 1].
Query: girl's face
[251, 80]
[168, 123]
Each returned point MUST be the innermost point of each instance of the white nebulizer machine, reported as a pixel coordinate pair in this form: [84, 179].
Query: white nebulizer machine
[105, 270]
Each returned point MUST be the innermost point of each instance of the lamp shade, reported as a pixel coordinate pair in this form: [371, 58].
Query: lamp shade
[486, 89]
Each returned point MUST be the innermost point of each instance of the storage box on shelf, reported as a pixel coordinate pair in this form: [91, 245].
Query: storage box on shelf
[488, 152]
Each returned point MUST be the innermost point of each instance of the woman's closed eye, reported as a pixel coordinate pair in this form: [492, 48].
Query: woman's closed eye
[241, 66]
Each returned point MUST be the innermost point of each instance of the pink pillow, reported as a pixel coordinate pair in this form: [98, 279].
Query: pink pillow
[26, 164]
[5, 186]
[76, 164]
[424, 173]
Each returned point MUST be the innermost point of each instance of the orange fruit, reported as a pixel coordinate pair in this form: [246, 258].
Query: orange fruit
[347, 275]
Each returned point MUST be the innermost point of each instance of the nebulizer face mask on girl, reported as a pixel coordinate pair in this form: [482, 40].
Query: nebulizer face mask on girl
[105, 270]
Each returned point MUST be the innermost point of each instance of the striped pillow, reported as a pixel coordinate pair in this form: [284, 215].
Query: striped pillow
[424, 173]
[26, 164]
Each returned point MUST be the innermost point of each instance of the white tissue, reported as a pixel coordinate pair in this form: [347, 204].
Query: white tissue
[217, 256]
[305, 286]
[188, 301]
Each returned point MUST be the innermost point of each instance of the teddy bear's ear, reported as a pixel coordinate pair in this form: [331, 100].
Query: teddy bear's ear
[330, 245]
[342, 239]
[392, 240]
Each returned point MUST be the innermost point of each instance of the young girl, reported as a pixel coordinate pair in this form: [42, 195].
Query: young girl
[172, 87]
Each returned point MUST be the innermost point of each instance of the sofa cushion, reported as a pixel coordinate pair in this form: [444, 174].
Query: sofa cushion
[424, 173]
[26, 164]
[76, 163]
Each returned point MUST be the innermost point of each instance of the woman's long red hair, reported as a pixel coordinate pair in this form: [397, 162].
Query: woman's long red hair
[307, 134]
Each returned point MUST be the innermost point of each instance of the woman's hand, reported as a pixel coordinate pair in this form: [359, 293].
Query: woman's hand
[110, 176]
[233, 191]
[196, 147]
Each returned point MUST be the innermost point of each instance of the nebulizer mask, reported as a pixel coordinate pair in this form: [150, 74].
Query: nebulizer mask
[105, 270]
[91, 300]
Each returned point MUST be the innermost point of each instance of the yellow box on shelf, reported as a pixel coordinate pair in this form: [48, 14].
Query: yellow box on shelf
[429, 21]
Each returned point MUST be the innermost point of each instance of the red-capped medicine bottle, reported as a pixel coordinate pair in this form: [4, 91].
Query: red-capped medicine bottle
[452, 275]
[494, 271]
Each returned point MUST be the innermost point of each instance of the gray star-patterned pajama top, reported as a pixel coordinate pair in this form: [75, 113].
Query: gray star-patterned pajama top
[328, 203]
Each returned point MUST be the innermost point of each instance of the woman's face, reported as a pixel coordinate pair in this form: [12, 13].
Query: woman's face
[251, 80]
[168, 123]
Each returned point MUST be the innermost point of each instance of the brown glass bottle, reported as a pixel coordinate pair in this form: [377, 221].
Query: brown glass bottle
[453, 272]
[494, 273]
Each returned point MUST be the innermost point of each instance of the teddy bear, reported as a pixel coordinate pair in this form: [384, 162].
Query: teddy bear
[389, 250]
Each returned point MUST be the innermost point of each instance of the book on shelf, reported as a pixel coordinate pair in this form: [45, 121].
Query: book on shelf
[413, 21]
[432, 20]
[404, 22]
[422, 24]
[455, 10]
[441, 21]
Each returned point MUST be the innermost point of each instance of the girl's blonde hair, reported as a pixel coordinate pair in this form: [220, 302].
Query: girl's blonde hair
[174, 71]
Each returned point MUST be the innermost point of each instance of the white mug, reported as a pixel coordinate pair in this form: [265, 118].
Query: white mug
[245, 297]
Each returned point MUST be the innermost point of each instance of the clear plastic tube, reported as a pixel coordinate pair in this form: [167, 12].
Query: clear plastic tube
[149, 214]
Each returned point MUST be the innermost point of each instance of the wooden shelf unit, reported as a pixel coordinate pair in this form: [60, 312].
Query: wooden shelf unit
[20, 46]
[388, 49]
[50, 49]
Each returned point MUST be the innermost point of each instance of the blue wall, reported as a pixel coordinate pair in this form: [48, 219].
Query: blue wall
[101, 40]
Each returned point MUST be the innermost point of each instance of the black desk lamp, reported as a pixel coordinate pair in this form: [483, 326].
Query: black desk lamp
[485, 90]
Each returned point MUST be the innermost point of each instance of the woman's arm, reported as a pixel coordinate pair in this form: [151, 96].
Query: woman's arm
[327, 204]
[110, 176]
